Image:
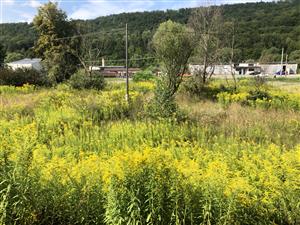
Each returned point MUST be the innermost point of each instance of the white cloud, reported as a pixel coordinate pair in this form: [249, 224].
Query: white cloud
[31, 3]
[34, 3]
[26, 17]
[93, 9]
[186, 4]
[8, 2]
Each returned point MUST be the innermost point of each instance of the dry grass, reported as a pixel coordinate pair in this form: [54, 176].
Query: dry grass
[21, 104]
[9, 101]
[235, 113]
[291, 87]
[246, 123]
[203, 111]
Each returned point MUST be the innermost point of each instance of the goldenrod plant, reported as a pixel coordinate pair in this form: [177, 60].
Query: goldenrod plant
[87, 157]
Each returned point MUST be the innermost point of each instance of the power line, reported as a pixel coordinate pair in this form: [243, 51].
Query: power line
[194, 32]
[122, 30]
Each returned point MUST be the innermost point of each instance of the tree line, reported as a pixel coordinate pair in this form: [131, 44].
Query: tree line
[261, 30]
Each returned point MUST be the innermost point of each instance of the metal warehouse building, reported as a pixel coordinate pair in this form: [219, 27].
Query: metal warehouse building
[26, 63]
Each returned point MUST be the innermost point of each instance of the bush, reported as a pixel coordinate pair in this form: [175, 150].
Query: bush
[20, 77]
[80, 80]
[210, 91]
[143, 75]
[258, 94]
[226, 98]
[163, 105]
[261, 99]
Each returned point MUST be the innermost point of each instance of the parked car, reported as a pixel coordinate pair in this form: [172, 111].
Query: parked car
[281, 73]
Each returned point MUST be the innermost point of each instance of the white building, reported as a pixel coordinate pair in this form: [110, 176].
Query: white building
[247, 69]
[270, 69]
[217, 69]
[26, 64]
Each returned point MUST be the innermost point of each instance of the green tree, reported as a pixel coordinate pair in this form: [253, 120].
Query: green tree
[13, 56]
[270, 55]
[173, 46]
[2, 55]
[295, 57]
[225, 55]
[52, 45]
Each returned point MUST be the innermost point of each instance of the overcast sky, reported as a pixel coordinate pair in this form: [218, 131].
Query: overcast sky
[24, 10]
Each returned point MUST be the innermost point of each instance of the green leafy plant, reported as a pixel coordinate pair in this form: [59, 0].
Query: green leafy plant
[173, 46]
[144, 75]
[20, 77]
[80, 80]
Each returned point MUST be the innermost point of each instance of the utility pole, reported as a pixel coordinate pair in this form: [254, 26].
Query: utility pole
[286, 64]
[281, 69]
[127, 75]
[232, 55]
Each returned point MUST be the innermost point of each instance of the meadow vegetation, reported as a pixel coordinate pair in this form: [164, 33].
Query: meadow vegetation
[87, 157]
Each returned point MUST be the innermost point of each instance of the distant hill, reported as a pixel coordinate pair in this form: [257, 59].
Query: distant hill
[259, 26]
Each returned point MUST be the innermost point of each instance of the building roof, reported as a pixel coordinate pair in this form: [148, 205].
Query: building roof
[277, 64]
[247, 67]
[26, 61]
[120, 69]
[113, 68]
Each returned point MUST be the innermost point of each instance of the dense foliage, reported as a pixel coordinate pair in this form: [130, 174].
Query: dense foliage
[87, 157]
[266, 99]
[20, 77]
[52, 25]
[13, 56]
[18, 37]
[144, 75]
[2, 55]
[258, 27]
[80, 80]
[173, 46]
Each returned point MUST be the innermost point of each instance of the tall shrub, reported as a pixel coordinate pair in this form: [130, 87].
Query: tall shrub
[80, 80]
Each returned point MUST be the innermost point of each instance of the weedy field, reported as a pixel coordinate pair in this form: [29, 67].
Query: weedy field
[87, 157]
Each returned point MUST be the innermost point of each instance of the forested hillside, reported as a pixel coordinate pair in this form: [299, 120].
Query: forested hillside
[17, 36]
[261, 30]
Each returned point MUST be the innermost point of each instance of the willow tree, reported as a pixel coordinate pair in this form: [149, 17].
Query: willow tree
[53, 44]
[173, 46]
